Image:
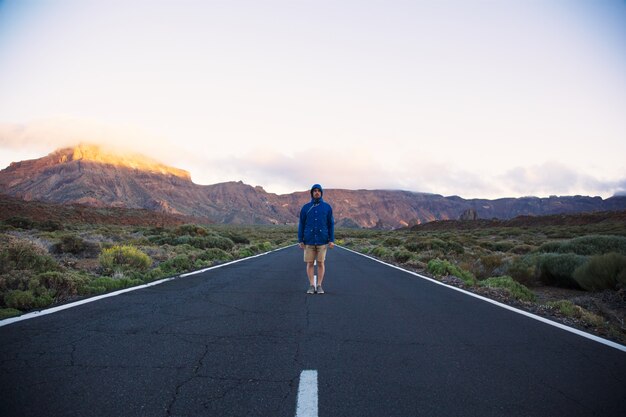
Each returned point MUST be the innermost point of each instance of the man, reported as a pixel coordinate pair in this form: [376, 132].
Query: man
[316, 232]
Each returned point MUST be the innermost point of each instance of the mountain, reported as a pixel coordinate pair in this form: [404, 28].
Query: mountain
[91, 175]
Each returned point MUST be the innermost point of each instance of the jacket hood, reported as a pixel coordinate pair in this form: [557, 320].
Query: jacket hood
[319, 187]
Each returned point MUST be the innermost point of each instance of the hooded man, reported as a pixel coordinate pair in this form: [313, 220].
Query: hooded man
[316, 232]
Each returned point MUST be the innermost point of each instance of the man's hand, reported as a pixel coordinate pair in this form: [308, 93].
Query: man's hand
[301, 245]
[331, 245]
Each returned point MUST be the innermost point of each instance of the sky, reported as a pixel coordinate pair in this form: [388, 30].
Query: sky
[481, 99]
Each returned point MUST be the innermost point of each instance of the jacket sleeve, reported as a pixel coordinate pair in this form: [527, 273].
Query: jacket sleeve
[331, 224]
[301, 225]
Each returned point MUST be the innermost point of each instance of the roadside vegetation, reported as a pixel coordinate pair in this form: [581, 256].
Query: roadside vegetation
[46, 264]
[576, 272]
[573, 272]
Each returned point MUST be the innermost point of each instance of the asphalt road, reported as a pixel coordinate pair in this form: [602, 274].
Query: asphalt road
[233, 341]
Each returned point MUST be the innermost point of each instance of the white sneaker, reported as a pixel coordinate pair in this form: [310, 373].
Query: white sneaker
[320, 290]
[311, 290]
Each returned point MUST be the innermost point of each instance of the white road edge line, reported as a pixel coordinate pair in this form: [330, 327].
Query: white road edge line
[40, 313]
[517, 310]
[307, 394]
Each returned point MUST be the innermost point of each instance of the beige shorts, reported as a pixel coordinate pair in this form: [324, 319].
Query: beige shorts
[313, 252]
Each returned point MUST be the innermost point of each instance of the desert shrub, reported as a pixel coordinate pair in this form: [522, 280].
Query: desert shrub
[5, 313]
[569, 309]
[521, 249]
[550, 247]
[500, 246]
[435, 244]
[20, 222]
[104, 284]
[602, 272]
[177, 264]
[69, 244]
[211, 241]
[392, 242]
[237, 238]
[588, 245]
[558, 269]
[381, 252]
[566, 307]
[123, 258]
[486, 265]
[455, 247]
[402, 256]
[215, 254]
[26, 300]
[415, 245]
[440, 268]
[191, 230]
[154, 274]
[523, 269]
[20, 300]
[20, 255]
[245, 252]
[15, 280]
[50, 226]
[514, 288]
[62, 284]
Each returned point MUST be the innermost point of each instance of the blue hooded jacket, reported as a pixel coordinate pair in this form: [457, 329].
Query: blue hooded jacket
[317, 225]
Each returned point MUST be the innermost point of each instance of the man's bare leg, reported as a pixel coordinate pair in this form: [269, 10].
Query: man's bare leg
[310, 272]
[320, 272]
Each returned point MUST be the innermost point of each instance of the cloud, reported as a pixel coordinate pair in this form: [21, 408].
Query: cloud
[556, 178]
[44, 136]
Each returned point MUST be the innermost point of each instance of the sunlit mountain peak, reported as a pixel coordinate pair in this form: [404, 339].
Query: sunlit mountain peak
[103, 155]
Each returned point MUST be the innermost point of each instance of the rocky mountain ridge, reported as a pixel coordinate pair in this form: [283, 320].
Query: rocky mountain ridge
[89, 175]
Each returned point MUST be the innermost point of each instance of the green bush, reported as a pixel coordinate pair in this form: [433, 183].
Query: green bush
[20, 300]
[521, 249]
[62, 284]
[566, 307]
[103, 284]
[69, 244]
[487, 265]
[434, 244]
[513, 287]
[439, 268]
[245, 253]
[523, 269]
[588, 245]
[124, 258]
[238, 238]
[191, 230]
[19, 222]
[20, 255]
[392, 242]
[402, 256]
[215, 254]
[500, 246]
[558, 269]
[177, 264]
[6, 313]
[26, 300]
[50, 226]
[15, 280]
[602, 272]
[381, 252]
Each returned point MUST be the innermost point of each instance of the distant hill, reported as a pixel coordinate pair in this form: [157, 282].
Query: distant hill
[92, 176]
[572, 219]
[47, 214]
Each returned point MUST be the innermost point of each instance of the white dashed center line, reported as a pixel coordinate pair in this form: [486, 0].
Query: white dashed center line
[307, 395]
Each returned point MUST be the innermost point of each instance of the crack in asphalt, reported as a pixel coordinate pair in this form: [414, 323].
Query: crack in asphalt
[194, 375]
